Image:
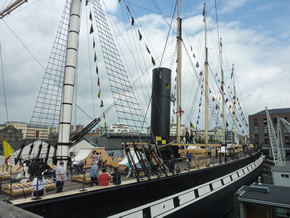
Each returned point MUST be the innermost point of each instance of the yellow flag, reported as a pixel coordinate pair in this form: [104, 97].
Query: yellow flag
[166, 84]
[99, 94]
[95, 57]
[191, 125]
[164, 142]
[158, 138]
[7, 151]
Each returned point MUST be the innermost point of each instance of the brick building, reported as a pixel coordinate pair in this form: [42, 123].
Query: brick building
[259, 129]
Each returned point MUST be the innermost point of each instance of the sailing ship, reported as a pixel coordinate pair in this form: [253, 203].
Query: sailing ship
[206, 192]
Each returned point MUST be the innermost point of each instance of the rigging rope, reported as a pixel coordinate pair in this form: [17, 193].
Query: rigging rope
[3, 81]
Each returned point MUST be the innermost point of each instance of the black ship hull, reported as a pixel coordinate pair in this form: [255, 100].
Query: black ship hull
[206, 192]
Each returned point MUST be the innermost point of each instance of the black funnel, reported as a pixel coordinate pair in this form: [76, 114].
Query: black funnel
[160, 107]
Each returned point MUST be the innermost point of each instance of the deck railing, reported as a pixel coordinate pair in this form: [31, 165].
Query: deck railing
[79, 179]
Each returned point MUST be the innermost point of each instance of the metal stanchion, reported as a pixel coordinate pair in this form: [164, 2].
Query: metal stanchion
[84, 173]
[10, 189]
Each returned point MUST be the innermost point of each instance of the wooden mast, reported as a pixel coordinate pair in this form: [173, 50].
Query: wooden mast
[179, 40]
[206, 78]
[223, 94]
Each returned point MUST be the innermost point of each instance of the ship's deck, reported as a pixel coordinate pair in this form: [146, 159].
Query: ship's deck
[73, 187]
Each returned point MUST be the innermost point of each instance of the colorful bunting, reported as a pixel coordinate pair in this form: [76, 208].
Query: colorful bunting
[172, 98]
[153, 61]
[94, 44]
[95, 56]
[97, 70]
[90, 17]
[92, 29]
[197, 65]
[128, 8]
[140, 36]
[132, 21]
[99, 94]
[99, 81]
[147, 49]
[102, 104]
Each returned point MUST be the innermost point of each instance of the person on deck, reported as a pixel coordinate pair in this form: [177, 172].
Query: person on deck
[191, 137]
[60, 177]
[71, 159]
[209, 151]
[94, 174]
[129, 170]
[38, 185]
[171, 163]
[99, 160]
[105, 165]
[104, 178]
[94, 157]
[188, 155]
[186, 137]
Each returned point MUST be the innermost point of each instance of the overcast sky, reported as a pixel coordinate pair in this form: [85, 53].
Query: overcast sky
[255, 34]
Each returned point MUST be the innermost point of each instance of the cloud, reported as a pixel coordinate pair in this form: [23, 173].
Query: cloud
[260, 57]
[229, 6]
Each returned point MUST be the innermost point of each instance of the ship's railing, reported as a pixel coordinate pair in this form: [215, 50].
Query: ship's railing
[81, 180]
[216, 158]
